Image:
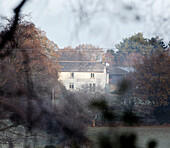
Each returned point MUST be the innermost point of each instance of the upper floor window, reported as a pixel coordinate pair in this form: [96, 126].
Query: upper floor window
[72, 75]
[92, 75]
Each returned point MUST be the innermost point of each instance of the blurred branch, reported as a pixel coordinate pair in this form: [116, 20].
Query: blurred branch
[11, 126]
[10, 34]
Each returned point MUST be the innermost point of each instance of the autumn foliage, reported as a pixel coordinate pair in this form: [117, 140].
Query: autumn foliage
[132, 49]
[29, 71]
[26, 35]
[153, 78]
[42, 70]
[31, 43]
[83, 52]
[28, 79]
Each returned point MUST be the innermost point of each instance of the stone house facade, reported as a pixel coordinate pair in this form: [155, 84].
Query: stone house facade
[89, 75]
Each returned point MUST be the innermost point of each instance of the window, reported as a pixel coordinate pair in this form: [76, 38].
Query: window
[72, 75]
[92, 75]
[92, 87]
[71, 86]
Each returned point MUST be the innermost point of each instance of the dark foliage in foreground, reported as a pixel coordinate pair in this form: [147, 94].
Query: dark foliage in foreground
[115, 139]
[28, 110]
[20, 102]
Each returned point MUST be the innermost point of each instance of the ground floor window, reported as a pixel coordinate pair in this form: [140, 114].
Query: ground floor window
[71, 86]
[92, 87]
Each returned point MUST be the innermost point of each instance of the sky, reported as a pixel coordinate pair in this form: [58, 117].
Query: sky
[74, 22]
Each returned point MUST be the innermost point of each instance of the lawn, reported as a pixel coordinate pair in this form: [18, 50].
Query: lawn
[144, 134]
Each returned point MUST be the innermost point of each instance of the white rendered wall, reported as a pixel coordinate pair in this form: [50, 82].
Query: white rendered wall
[83, 78]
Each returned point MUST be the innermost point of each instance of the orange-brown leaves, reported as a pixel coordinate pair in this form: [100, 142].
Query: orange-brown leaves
[153, 78]
[81, 53]
[27, 36]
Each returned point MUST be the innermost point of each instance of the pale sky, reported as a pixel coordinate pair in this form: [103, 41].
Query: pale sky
[62, 22]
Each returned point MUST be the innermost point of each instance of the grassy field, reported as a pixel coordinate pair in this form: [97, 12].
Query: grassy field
[144, 134]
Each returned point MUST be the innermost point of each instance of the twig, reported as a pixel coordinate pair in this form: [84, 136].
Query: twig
[10, 34]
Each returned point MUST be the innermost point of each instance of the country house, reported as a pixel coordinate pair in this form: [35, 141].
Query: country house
[89, 75]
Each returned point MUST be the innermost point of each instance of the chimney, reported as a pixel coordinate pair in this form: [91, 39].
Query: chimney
[103, 59]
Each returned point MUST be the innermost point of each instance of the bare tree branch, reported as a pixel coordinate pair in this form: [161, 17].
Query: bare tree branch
[9, 34]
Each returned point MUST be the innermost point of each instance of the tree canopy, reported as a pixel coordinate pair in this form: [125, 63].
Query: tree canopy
[133, 48]
[138, 44]
[153, 78]
[30, 41]
[26, 35]
[83, 52]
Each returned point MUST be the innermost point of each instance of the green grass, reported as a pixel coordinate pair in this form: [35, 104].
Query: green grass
[144, 134]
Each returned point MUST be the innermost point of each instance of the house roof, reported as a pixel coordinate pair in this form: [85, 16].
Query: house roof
[81, 66]
[128, 69]
[116, 71]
